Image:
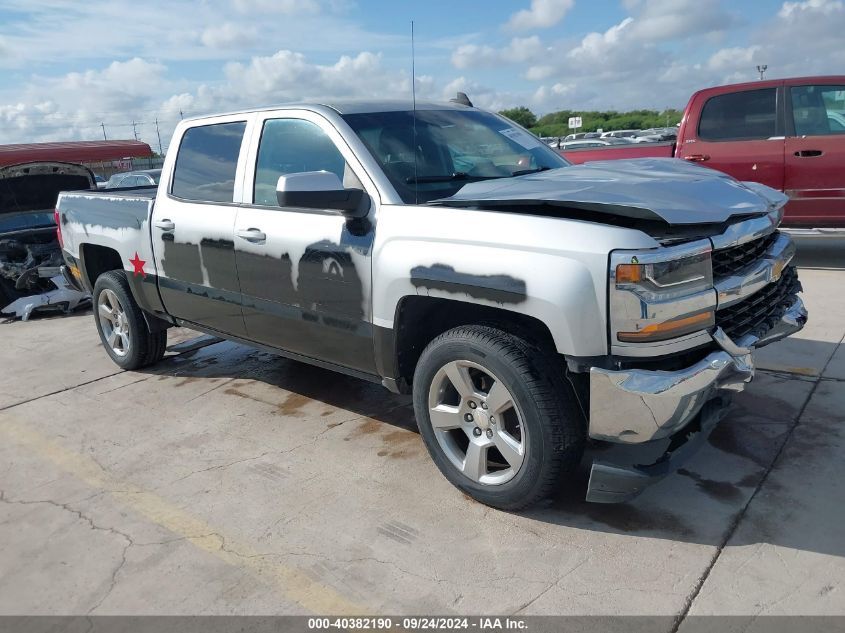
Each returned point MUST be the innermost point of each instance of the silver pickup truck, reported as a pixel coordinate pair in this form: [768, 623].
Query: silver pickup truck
[534, 309]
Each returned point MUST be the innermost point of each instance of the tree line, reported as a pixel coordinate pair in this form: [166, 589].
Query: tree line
[557, 123]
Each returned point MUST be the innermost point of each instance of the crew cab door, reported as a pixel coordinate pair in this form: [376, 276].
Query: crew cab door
[815, 155]
[740, 134]
[192, 228]
[305, 274]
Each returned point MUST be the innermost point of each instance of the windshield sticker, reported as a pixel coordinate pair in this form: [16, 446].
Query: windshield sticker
[528, 141]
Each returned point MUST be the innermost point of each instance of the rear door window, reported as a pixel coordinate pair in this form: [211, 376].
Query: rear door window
[818, 110]
[207, 162]
[747, 115]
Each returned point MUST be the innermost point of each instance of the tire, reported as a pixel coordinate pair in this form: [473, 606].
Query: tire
[125, 336]
[541, 433]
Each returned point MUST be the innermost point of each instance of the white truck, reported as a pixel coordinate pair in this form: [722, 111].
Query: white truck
[534, 309]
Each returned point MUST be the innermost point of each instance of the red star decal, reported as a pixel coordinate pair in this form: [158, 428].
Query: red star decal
[138, 265]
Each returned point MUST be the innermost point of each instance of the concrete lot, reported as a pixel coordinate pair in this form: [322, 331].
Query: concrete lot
[229, 481]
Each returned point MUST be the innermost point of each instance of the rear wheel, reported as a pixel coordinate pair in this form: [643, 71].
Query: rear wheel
[496, 416]
[121, 324]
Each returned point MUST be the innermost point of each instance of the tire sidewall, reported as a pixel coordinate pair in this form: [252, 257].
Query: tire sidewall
[538, 445]
[116, 282]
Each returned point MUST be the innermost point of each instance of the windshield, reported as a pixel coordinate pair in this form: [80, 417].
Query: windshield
[453, 147]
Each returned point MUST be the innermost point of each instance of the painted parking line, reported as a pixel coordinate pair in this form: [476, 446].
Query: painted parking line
[292, 583]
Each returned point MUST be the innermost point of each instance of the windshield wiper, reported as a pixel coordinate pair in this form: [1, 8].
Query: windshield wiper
[523, 172]
[458, 175]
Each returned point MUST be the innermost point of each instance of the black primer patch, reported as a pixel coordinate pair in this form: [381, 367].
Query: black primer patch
[181, 261]
[270, 278]
[328, 281]
[218, 257]
[498, 288]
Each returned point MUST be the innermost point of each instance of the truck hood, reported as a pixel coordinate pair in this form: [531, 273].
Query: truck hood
[654, 189]
[28, 192]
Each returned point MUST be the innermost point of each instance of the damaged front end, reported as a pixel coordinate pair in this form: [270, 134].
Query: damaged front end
[30, 254]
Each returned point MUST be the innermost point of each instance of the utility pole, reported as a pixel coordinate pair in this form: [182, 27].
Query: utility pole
[103, 125]
[762, 70]
[134, 130]
[180, 115]
[160, 152]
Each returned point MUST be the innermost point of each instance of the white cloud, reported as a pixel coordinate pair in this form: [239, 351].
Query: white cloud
[50, 32]
[732, 59]
[277, 6]
[819, 7]
[227, 35]
[542, 15]
[74, 105]
[519, 50]
[595, 46]
[287, 76]
[663, 20]
[475, 56]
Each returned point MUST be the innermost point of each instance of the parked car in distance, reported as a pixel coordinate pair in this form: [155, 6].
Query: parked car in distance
[788, 134]
[139, 178]
[530, 306]
[101, 182]
[620, 134]
[655, 135]
[585, 143]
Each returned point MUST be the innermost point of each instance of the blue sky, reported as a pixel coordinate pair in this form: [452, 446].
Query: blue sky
[67, 66]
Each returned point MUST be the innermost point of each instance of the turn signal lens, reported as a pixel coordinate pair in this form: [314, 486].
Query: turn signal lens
[669, 329]
[629, 273]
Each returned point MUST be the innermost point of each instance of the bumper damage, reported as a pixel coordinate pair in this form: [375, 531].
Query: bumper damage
[31, 277]
[651, 421]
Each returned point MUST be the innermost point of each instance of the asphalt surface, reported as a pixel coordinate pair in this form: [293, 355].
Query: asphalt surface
[229, 481]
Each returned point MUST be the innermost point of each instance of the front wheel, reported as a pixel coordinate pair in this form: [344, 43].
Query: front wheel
[121, 324]
[496, 416]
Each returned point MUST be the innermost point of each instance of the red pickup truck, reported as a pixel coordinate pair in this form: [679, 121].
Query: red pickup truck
[785, 133]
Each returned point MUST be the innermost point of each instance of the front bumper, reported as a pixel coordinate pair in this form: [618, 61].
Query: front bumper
[653, 409]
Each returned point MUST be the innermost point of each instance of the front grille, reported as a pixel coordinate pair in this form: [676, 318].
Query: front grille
[729, 261]
[758, 313]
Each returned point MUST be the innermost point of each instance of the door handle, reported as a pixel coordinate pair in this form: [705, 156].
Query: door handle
[697, 158]
[251, 235]
[165, 225]
[808, 153]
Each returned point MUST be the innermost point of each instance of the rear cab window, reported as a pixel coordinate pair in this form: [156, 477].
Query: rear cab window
[207, 161]
[746, 115]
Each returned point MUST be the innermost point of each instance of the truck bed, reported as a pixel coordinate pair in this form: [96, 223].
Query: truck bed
[615, 152]
[109, 208]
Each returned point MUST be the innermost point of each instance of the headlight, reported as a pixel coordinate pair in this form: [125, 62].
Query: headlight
[664, 280]
[661, 294]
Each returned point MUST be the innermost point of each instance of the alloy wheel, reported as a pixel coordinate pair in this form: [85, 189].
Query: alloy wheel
[477, 422]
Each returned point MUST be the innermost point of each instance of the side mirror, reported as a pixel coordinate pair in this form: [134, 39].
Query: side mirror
[320, 190]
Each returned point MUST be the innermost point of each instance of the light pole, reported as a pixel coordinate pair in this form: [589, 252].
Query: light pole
[762, 70]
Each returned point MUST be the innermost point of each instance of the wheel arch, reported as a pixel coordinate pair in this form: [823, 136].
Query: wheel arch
[420, 319]
[94, 260]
